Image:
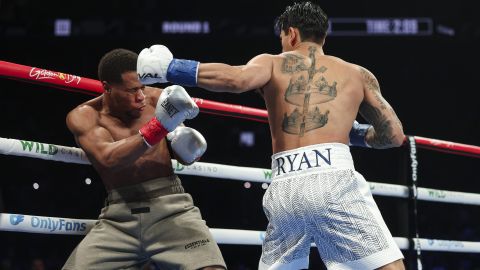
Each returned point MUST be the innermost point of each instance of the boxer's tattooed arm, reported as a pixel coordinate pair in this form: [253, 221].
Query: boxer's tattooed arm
[382, 136]
[381, 116]
[396, 118]
[373, 86]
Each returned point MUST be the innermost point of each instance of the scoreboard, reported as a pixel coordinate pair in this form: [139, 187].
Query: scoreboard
[380, 27]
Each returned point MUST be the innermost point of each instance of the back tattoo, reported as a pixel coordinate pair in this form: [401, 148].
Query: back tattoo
[306, 93]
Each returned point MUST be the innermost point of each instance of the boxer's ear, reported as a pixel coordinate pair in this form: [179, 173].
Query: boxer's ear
[106, 87]
[293, 36]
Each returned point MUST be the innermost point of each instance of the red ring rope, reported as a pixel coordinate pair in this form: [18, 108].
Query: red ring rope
[93, 87]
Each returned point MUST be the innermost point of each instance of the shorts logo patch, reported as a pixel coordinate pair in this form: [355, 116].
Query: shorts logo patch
[197, 244]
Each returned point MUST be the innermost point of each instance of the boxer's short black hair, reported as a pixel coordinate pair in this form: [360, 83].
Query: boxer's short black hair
[114, 63]
[309, 18]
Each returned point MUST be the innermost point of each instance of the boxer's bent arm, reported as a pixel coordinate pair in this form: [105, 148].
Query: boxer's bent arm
[219, 77]
[387, 129]
[98, 143]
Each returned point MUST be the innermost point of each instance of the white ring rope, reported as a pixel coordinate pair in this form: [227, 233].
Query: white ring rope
[212, 170]
[69, 226]
[43, 151]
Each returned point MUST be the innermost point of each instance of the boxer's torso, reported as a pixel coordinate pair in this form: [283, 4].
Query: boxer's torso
[154, 163]
[311, 98]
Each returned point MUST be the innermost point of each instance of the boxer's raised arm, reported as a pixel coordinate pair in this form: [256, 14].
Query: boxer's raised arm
[237, 79]
[157, 65]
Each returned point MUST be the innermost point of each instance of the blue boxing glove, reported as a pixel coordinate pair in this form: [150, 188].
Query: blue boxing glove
[157, 65]
[358, 133]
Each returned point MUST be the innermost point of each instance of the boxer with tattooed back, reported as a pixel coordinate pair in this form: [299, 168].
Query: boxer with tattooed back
[126, 133]
[312, 101]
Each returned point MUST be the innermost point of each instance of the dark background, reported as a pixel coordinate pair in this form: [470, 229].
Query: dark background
[431, 81]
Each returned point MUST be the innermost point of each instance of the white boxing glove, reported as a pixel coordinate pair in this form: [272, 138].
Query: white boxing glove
[187, 143]
[173, 107]
[152, 64]
[157, 65]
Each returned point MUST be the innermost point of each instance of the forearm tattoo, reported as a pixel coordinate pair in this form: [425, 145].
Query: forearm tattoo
[383, 130]
[383, 136]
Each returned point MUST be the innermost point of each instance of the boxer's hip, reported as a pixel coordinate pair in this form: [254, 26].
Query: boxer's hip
[146, 190]
[311, 159]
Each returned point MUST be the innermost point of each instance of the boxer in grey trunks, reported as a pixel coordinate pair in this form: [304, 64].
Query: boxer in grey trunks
[148, 216]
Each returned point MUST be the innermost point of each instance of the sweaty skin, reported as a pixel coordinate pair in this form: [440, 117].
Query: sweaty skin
[311, 98]
[107, 130]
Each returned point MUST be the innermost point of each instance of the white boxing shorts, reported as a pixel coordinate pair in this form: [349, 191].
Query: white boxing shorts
[316, 196]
